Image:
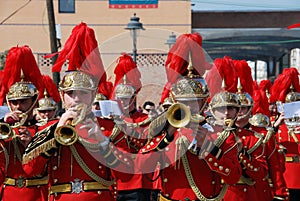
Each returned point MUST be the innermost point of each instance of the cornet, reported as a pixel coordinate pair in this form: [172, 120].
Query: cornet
[6, 128]
[67, 135]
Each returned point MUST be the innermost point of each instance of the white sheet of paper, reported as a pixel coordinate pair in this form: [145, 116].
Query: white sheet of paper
[109, 108]
[291, 109]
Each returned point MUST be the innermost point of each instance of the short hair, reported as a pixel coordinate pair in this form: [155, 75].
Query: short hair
[148, 103]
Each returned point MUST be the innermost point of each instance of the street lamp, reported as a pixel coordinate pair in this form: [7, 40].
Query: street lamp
[134, 26]
[171, 40]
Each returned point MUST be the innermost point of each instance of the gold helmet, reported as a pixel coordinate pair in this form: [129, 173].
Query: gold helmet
[21, 75]
[185, 66]
[190, 88]
[260, 111]
[51, 95]
[85, 67]
[223, 99]
[292, 96]
[124, 91]
[77, 80]
[223, 84]
[21, 90]
[127, 82]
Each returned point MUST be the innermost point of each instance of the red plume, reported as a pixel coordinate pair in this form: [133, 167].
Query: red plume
[255, 85]
[282, 84]
[106, 89]
[126, 66]
[294, 75]
[166, 92]
[294, 26]
[51, 88]
[20, 59]
[265, 85]
[261, 104]
[81, 50]
[244, 73]
[223, 70]
[178, 57]
[280, 88]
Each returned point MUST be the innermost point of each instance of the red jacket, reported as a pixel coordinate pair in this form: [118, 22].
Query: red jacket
[207, 172]
[292, 165]
[253, 163]
[15, 172]
[64, 167]
[131, 143]
[275, 177]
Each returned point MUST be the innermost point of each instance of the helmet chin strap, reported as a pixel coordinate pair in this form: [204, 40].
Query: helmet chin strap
[245, 115]
[25, 114]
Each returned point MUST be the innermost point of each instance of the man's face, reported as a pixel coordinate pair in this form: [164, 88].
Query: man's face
[22, 105]
[46, 114]
[243, 111]
[127, 103]
[74, 97]
[273, 109]
[96, 106]
[149, 108]
[225, 112]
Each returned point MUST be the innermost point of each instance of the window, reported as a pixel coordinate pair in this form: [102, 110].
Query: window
[66, 6]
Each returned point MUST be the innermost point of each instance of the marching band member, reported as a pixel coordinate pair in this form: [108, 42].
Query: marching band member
[133, 124]
[48, 104]
[251, 155]
[21, 95]
[77, 149]
[285, 89]
[193, 160]
[274, 186]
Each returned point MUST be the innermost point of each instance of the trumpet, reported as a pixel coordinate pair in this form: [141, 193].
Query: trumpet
[178, 115]
[6, 128]
[67, 134]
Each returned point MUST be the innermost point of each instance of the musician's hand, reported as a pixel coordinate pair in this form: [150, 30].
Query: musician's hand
[25, 135]
[65, 117]
[94, 131]
[12, 117]
[279, 121]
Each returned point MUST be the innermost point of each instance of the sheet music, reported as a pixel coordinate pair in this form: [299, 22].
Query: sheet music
[109, 108]
[291, 109]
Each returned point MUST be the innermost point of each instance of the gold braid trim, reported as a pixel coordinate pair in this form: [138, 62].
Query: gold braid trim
[43, 148]
[269, 134]
[87, 170]
[194, 187]
[89, 145]
[256, 145]
[115, 132]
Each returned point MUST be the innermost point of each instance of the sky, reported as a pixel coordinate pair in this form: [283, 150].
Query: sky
[245, 5]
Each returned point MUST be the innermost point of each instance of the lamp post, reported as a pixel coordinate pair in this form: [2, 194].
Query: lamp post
[171, 40]
[134, 26]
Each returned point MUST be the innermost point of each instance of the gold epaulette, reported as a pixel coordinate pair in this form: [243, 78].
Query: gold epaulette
[42, 141]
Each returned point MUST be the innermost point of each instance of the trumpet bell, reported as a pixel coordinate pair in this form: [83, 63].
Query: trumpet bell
[66, 135]
[178, 115]
[5, 131]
